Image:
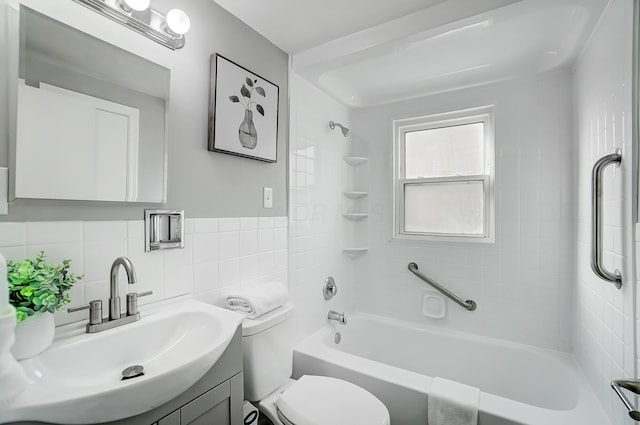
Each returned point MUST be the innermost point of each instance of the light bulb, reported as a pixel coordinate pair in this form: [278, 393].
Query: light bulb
[134, 5]
[178, 21]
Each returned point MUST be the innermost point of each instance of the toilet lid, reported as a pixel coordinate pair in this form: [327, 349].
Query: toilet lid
[320, 400]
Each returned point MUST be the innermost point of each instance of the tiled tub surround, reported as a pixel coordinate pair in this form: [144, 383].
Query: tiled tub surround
[603, 329]
[219, 253]
[522, 282]
[317, 225]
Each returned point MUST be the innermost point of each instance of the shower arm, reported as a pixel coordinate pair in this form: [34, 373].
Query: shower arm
[597, 249]
[345, 131]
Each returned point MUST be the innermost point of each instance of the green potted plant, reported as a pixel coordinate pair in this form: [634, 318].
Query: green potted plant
[36, 290]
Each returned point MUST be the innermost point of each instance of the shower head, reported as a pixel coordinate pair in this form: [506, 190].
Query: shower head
[345, 131]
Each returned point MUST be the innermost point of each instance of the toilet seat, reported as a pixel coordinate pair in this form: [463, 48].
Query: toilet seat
[321, 400]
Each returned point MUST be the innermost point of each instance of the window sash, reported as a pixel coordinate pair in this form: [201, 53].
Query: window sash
[452, 150]
[401, 127]
[484, 179]
[418, 124]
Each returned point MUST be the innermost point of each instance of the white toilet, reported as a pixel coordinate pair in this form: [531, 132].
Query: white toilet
[311, 400]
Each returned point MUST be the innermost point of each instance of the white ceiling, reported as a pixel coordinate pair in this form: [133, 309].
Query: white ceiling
[297, 25]
[367, 52]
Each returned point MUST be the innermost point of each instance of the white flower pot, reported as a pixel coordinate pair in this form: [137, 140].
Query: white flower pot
[33, 335]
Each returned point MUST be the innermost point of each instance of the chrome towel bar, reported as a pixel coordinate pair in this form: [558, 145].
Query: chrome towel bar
[468, 304]
[596, 219]
[632, 385]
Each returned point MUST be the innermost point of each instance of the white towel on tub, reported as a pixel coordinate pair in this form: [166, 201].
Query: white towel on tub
[256, 300]
[452, 403]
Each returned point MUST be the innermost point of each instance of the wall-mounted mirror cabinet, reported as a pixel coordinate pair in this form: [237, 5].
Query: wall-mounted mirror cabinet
[91, 117]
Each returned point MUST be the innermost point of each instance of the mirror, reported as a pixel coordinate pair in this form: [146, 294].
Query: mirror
[91, 117]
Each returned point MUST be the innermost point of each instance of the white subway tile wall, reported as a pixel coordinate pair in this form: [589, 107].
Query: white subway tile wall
[218, 255]
[315, 167]
[522, 282]
[604, 316]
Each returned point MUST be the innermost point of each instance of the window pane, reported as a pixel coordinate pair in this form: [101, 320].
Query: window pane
[445, 208]
[445, 151]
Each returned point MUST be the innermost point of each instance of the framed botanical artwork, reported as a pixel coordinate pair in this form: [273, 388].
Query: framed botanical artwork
[243, 112]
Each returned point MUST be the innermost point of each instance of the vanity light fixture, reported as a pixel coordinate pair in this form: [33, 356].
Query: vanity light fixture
[138, 15]
[131, 5]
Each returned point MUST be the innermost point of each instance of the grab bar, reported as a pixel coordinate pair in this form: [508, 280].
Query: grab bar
[468, 304]
[596, 219]
[632, 385]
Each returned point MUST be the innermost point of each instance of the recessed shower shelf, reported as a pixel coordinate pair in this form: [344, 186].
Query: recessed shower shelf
[355, 160]
[355, 195]
[356, 216]
[354, 252]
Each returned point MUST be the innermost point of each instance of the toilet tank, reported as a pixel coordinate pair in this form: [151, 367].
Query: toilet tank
[267, 345]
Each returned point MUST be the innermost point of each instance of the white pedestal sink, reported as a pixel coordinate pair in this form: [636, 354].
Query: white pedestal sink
[78, 380]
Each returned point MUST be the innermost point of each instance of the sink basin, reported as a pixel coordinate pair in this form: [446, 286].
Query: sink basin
[78, 380]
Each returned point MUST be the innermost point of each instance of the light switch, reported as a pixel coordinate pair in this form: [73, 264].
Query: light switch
[267, 197]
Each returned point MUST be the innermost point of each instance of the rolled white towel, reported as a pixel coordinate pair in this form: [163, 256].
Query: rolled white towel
[452, 403]
[258, 299]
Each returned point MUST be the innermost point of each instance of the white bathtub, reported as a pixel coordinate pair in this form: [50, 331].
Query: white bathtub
[397, 361]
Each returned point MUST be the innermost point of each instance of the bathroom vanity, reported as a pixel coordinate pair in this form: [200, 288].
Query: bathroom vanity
[215, 399]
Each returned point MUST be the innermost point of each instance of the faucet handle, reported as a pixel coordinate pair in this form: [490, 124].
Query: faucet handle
[132, 301]
[95, 311]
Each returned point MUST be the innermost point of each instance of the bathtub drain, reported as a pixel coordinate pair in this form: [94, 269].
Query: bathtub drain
[337, 338]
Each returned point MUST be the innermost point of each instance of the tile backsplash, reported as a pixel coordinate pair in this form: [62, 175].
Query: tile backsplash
[219, 253]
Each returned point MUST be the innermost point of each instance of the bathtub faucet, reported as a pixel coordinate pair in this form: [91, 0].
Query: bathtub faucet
[338, 317]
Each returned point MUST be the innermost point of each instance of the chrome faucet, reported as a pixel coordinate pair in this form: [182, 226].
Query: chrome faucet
[114, 298]
[338, 317]
[96, 322]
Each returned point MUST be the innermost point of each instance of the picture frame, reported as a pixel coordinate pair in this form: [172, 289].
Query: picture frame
[243, 112]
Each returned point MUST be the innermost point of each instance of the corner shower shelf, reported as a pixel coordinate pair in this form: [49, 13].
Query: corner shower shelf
[355, 160]
[355, 205]
[356, 216]
[355, 195]
[354, 252]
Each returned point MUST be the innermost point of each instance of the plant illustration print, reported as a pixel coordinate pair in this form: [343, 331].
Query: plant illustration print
[247, 131]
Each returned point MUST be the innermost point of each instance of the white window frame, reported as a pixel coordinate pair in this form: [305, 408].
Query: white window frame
[482, 114]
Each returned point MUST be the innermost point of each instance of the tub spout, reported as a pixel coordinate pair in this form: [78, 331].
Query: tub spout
[338, 317]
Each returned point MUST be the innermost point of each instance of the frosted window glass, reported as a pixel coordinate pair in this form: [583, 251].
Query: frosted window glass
[445, 151]
[445, 208]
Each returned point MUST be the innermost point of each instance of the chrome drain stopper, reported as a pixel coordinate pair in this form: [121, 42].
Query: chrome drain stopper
[132, 372]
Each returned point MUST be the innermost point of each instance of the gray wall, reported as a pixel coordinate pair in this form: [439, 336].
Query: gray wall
[203, 183]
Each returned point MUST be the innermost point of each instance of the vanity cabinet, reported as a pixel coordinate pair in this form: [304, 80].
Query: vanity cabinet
[212, 407]
[216, 399]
